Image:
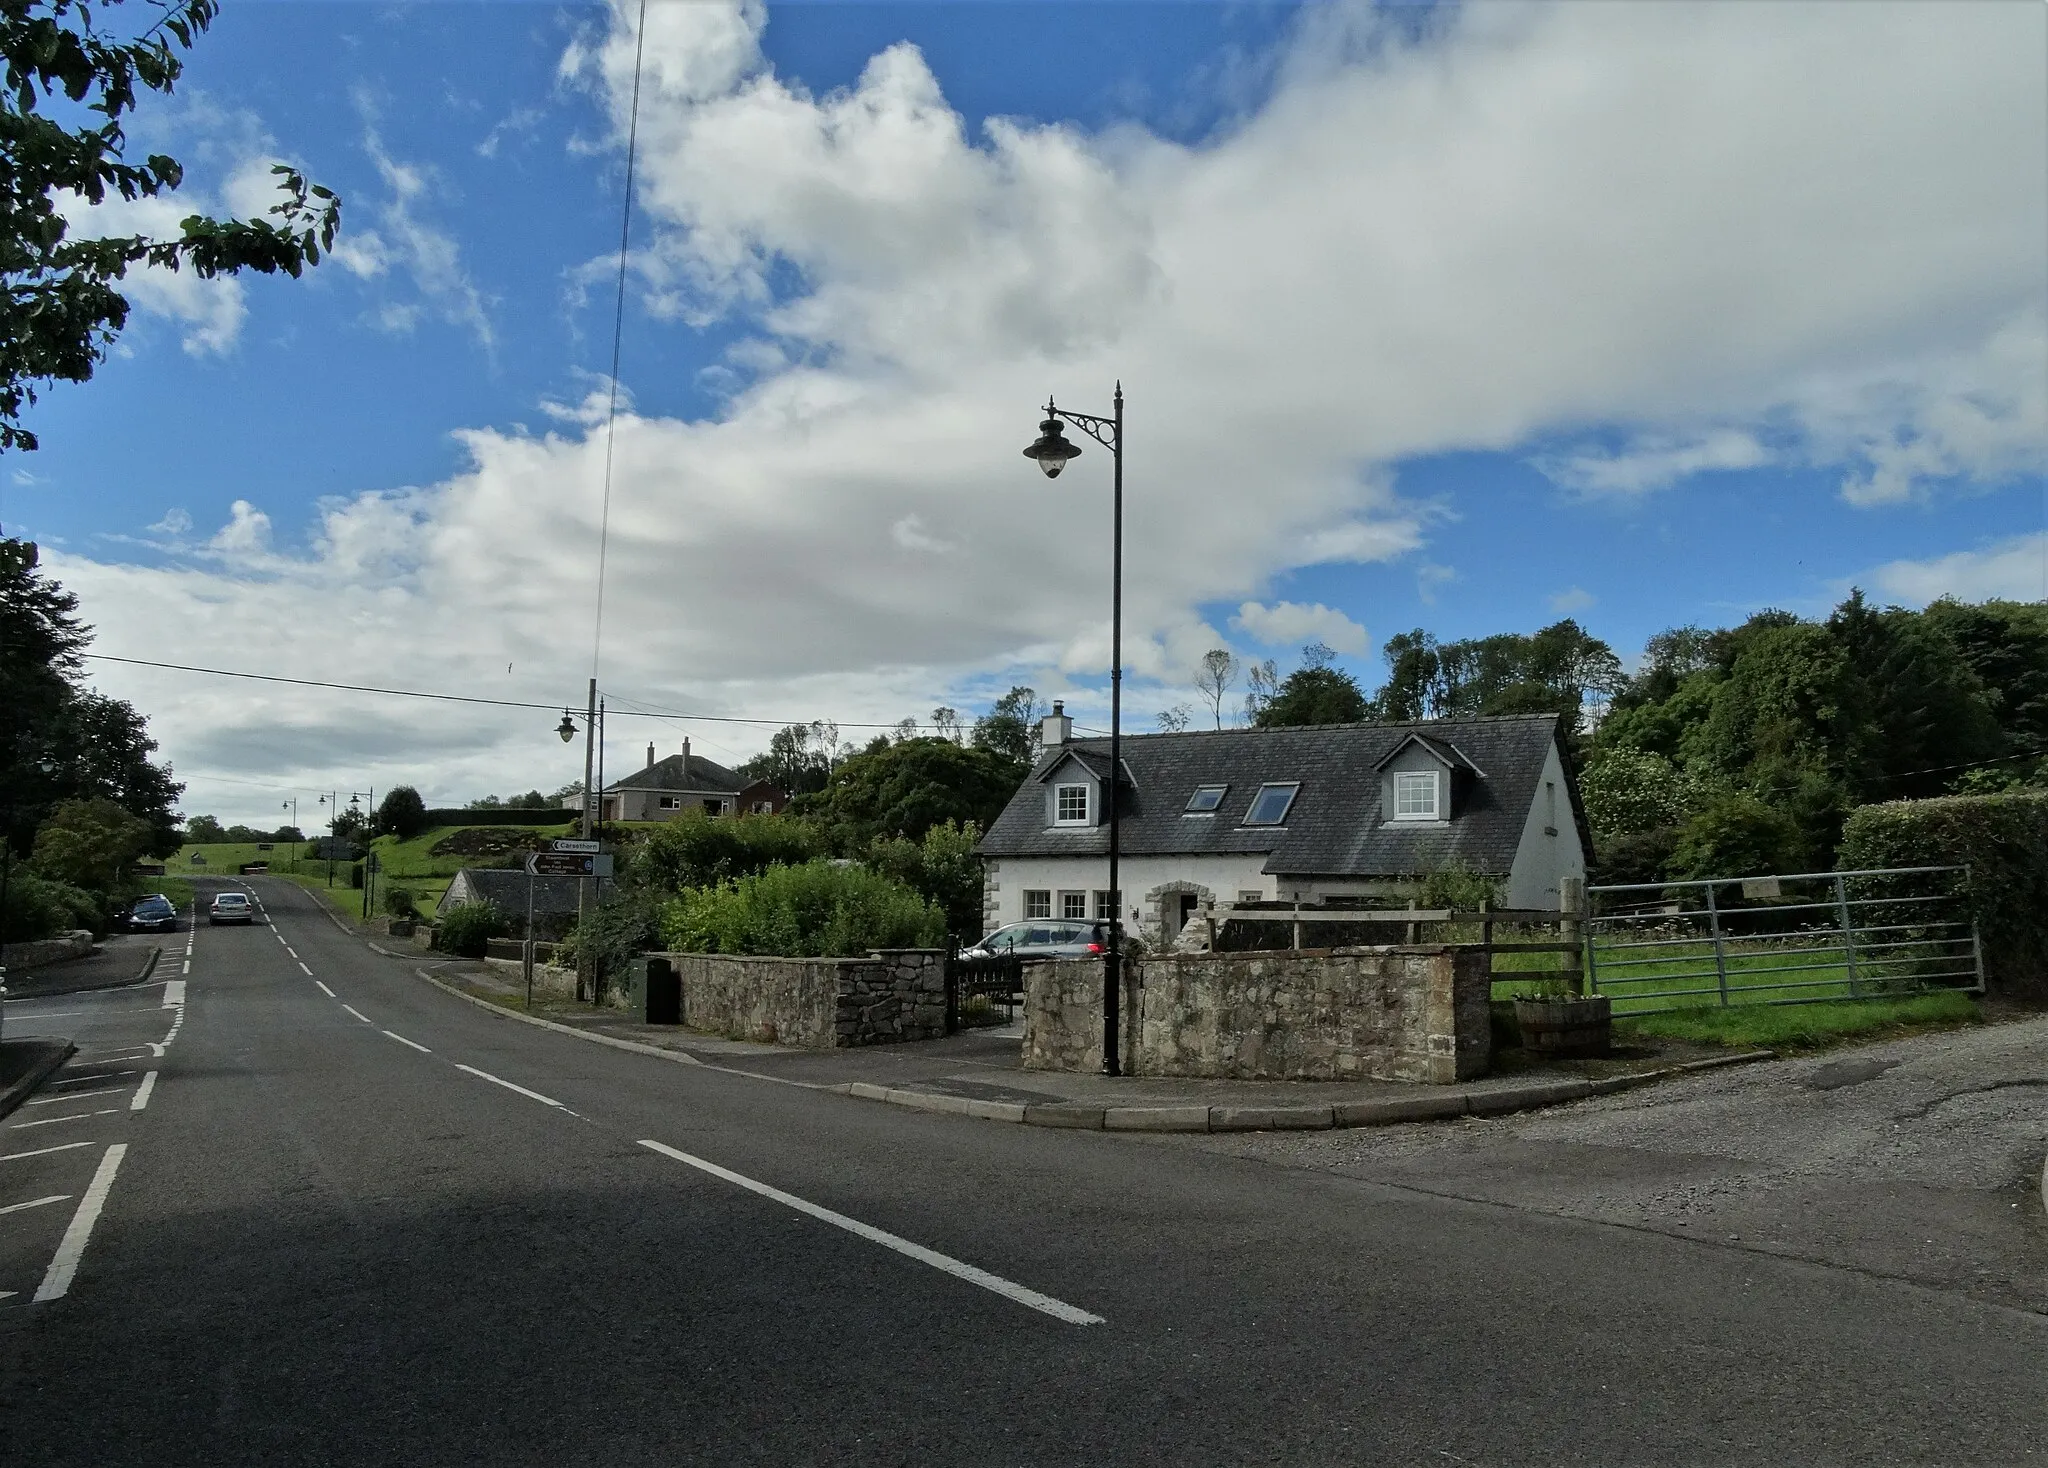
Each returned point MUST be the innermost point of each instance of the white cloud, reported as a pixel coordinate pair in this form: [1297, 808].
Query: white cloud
[1290, 622]
[1653, 462]
[1691, 228]
[246, 536]
[404, 240]
[1577, 599]
[209, 311]
[1429, 578]
[2014, 569]
[175, 523]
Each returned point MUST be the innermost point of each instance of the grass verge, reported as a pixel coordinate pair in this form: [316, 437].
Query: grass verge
[1804, 1026]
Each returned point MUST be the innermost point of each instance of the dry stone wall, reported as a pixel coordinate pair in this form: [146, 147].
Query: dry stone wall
[816, 1003]
[1397, 1013]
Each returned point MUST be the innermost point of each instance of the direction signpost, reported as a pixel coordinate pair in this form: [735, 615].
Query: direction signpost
[584, 859]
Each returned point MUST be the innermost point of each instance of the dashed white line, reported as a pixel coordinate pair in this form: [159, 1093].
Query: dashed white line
[22, 1126]
[1009, 1289]
[187, 968]
[403, 1041]
[357, 1013]
[322, 987]
[142, 1092]
[291, 950]
[72, 1247]
[499, 1081]
[35, 1203]
[306, 971]
[75, 1096]
[44, 1151]
[83, 1080]
[174, 994]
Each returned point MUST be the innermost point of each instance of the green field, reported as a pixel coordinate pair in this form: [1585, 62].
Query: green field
[1799, 1026]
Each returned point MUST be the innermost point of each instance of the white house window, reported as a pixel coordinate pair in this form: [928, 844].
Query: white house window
[1037, 903]
[1243, 897]
[1105, 907]
[1415, 795]
[1070, 805]
[1206, 798]
[764, 807]
[1074, 905]
[1269, 806]
[669, 802]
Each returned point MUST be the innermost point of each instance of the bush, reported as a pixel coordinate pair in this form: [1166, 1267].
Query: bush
[468, 926]
[400, 903]
[818, 910]
[1458, 888]
[611, 935]
[1642, 856]
[2002, 839]
[700, 851]
[40, 908]
[1628, 791]
[1737, 836]
[943, 867]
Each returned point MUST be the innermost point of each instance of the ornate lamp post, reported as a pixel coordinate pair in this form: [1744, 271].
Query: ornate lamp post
[1052, 450]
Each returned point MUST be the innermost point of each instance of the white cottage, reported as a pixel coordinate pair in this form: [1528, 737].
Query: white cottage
[1256, 815]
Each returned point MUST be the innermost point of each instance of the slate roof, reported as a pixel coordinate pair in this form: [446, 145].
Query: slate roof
[1334, 827]
[671, 774]
[507, 888]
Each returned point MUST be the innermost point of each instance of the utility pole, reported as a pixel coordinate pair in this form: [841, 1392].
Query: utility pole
[589, 797]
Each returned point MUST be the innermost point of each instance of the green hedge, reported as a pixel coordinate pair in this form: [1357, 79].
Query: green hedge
[2002, 839]
[40, 908]
[536, 815]
[817, 910]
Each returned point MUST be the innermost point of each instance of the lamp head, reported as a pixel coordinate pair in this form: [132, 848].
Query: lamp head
[1052, 449]
[567, 728]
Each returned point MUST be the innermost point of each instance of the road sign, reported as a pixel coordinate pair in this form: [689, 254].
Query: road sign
[568, 864]
[592, 847]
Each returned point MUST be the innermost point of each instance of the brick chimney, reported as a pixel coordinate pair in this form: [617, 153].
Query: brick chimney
[1057, 728]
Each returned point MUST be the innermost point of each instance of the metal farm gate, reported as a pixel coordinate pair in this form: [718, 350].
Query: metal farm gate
[1802, 939]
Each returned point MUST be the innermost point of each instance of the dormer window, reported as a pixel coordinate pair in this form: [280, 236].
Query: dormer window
[1205, 799]
[1417, 796]
[1270, 805]
[1070, 805]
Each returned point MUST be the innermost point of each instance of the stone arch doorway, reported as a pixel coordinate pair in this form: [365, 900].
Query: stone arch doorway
[1173, 904]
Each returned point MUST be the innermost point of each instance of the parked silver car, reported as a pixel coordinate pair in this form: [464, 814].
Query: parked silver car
[1045, 938]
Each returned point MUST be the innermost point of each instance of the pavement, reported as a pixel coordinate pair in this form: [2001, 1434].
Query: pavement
[308, 1208]
[115, 960]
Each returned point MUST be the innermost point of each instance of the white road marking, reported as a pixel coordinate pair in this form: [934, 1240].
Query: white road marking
[83, 1080]
[291, 950]
[22, 1126]
[76, 1096]
[142, 1092]
[186, 969]
[1009, 1289]
[35, 1203]
[174, 994]
[498, 1081]
[306, 971]
[44, 1151]
[414, 1043]
[322, 987]
[357, 1013]
[156, 1051]
[71, 1248]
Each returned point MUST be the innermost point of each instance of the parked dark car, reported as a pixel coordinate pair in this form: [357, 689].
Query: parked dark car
[153, 914]
[1044, 938]
[231, 907]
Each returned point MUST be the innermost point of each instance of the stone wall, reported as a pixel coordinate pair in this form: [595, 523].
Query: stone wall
[1397, 1013]
[816, 1003]
[45, 951]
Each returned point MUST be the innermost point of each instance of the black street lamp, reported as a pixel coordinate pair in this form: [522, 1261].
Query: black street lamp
[1052, 450]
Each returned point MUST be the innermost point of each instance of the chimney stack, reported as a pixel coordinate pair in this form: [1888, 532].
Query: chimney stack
[1056, 728]
[650, 756]
[686, 759]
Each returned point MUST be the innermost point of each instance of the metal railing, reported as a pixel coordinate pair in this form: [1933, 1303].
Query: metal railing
[1810, 937]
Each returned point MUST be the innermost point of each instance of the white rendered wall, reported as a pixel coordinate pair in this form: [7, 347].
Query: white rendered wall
[1549, 851]
[1220, 877]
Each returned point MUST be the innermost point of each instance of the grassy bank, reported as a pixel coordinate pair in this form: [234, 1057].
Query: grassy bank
[1804, 1026]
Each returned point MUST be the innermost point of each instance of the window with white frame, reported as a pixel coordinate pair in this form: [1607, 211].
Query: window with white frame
[1037, 902]
[1205, 800]
[1270, 805]
[1105, 906]
[1243, 897]
[669, 802]
[1415, 795]
[1070, 805]
[1074, 905]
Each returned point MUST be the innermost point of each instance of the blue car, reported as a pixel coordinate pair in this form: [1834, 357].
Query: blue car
[153, 915]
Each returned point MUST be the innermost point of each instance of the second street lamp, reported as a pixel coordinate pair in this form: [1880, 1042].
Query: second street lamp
[1052, 450]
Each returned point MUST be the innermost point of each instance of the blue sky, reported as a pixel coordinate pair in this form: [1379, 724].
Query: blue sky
[1456, 318]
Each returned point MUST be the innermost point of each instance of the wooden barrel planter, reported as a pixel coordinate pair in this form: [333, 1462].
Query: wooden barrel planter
[1566, 1028]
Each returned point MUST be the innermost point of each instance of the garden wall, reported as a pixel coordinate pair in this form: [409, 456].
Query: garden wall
[44, 951]
[816, 1003]
[1395, 1013]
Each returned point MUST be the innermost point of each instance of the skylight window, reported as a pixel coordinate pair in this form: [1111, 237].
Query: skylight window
[1270, 805]
[1205, 799]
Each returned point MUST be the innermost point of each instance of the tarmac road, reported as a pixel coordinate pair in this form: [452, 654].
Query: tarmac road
[360, 1221]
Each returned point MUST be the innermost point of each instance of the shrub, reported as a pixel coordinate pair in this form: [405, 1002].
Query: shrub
[1457, 887]
[817, 910]
[1630, 791]
[40, 908]
[699, 851]
[2002, 839]
[1737, 836]
[468, 926]
[1642, 856]
[400, 903]
[403, 814]
[615, 932]
[942, 867]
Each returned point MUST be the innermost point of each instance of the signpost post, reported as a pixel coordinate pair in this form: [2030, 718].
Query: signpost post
[582, 859]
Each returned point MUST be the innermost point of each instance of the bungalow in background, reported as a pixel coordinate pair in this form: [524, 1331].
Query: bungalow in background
[1303, 814]
[683, 783]
[554, 898]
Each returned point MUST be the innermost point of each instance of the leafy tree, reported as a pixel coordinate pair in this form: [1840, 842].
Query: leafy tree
[1218, 670]
[698, 851]
[1261, 681]
[402, 813]
[351, 825]
[204, 831]
[90, 844]
[798, 760]
[61, 311]
[1628, 791]
[943, 867]
[946, 723]
[1738, 836]
[1314, 693]
[907, 788]
[1174, 720]
[1010, 728]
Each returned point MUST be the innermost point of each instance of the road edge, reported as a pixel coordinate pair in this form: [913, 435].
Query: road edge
[58, 1052]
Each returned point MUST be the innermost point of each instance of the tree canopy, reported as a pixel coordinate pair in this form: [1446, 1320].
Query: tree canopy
[906, 788]
[402, 813]
[60, 310]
